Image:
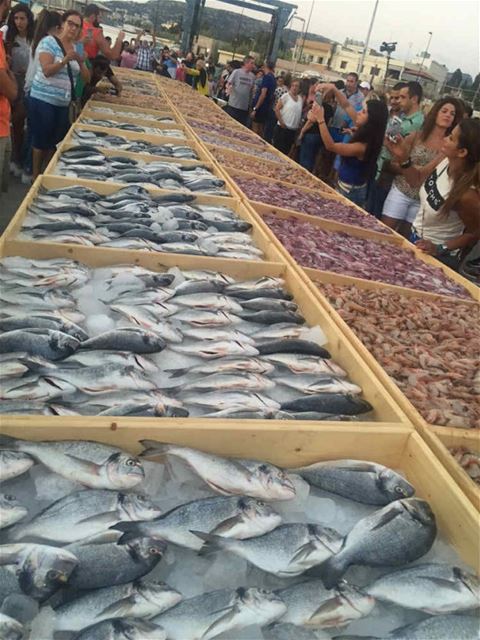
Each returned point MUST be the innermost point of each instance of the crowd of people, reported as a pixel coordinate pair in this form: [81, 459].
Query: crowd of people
[417, 169]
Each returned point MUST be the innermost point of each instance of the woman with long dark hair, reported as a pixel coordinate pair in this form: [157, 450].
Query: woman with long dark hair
[20, 27]
[401, 204]
[359, 155]
[447, 223]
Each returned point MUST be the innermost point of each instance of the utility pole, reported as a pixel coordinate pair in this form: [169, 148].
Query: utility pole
[367, 41]
[425, 53]
[296, 51]
[389, 47]
[306, 28]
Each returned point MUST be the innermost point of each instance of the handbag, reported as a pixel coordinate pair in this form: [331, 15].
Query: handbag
[75, 105]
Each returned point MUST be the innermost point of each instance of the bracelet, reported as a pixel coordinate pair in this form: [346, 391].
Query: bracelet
[406, 164]
[322, 122]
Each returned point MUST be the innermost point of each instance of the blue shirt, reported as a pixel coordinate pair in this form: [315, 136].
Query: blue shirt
[340, 116]
[56, 89]
[270, 84]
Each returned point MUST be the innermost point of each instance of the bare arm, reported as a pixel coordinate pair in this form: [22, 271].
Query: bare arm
[308, 125]
[261, 98]
[349, 149]
[8, 84]
[50, 67]
[112, 53]
[278, 112]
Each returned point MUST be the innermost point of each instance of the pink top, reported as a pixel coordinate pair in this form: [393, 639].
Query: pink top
[128, 60]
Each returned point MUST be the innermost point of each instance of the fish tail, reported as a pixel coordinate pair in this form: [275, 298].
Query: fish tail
[9, 442]
[176, 373]
[211, 543]
[131, 531]
[331, 571]
[152, 448]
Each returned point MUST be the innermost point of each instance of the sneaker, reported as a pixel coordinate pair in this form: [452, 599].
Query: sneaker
[15, 169]
[26, 178]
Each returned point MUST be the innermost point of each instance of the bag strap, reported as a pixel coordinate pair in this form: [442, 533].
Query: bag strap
[69, 70]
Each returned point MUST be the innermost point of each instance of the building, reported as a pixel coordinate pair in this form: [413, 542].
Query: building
[346, 59]
[316, 51]
[434, 69]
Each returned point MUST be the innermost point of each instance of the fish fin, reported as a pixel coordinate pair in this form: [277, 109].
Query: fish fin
[176, 373]
[212, 544]
[442, 583]
[302, 552]
[331, 571]
[331, 607]
[387, 517]
[153, 448]
[130, 530]
[8, 442]
[101, 518]
[225, 526]
[216, 627]
[117, 609]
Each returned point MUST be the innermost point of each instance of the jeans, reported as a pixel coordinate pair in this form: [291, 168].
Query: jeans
[357, 195]
[238, 114]
[269, 126]
[283, 139]
[27, 143]
[311, 145]
[5, 155]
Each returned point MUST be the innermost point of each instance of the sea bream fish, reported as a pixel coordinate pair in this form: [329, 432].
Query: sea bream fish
[309, 604]
[101, 379]
[230, 516]
[452, 627]
[335, 403]
[140, 599]
[224, 366]
[287, 551]
[11, 510]
[84, 513]
[210, 349]
[32, 388]
[228, 476]
[304, 364]
[121, 629]
[210, 614]
[126, 339]
[42, 321]
[433, 588]
[13, 464]
[325, 383]
[10, 629]
[42, 569]
[232, 400]
[230, 382]
[96, 358]
[95, 465]
[359, 480]
[52, 345]
[400, 533]
[287, 631]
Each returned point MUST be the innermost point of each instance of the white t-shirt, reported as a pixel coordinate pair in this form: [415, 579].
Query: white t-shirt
[291, 111]
[242, 82]
[430, 223]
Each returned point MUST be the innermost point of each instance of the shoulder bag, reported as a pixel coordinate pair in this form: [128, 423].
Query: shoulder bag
[75, 105]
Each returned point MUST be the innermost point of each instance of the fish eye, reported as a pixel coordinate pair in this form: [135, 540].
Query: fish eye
[131, 462]
[9, 498]
[52, 574]
[154, 551]
[141, 498]
[400, 491]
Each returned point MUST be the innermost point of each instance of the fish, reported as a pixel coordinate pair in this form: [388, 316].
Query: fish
[84, 513]
[271, 317]
[336, 403]
[228, 476]
[126, 339]
[198, 318]
[41, 569]
[52, 345]
[35, 388]
[105, 564]
[150, 408]
[225, 365]
[287, 631]
[293, 345]
[232, 400]
[42, 321]
[189, 287]
[230, 516]
[212, 302]
[259, 287]
[122, 629]
[448, 627]
[10, 629]
[308, 384]
[13, 464]
[95, 465]
[102, 379]
[210, 614]
[437, 589]
[311, 605]
[269, 304]
[230, 382]
[97, 358]
[139, 599]
[286, 552]
[209, 349]
[219, 334]
[401, 532]
[298, 363]
[11, 511]
[359, 480]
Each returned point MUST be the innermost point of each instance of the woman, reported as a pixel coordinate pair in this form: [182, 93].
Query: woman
[310, 140]
[401, 204]
[128, 57]
[51, 92]
[358, 156]
[200, 75]
[289, 116]
[447, 223]
[20, 27]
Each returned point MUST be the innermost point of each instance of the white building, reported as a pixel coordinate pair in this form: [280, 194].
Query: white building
[437, 71]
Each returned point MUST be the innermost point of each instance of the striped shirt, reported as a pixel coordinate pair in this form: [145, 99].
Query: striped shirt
[56, 89]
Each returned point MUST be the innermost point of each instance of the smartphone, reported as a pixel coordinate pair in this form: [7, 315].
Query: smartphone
[80, 49]
[319, 98]
[394, 129]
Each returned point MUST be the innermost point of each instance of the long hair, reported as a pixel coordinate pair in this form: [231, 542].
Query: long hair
[372, 133]
[469, 139]
[46, 21]
[12, 32]
[431, 117]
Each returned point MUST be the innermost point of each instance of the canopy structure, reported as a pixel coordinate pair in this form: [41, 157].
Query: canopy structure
[281, 13]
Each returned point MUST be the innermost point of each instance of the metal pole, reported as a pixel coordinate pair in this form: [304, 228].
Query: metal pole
[296, 52]
[430, 33]
[365, 49]
[306, 28]
[386, 70]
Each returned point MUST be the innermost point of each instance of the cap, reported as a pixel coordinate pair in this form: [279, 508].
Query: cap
[365, 85]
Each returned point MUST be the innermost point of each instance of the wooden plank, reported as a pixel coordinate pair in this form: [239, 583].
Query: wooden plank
[119, 108]
[259, 237]
[120, 119]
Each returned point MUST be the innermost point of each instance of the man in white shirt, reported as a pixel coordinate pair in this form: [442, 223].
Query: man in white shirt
[239, 88]
[289, 113]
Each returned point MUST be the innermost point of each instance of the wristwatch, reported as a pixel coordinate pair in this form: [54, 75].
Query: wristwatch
[442, 250]
[406, 164]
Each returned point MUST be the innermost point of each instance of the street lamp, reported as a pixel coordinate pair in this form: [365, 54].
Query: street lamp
[425, 53]
[389, 47]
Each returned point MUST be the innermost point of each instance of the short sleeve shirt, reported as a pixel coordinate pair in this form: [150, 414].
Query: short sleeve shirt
[409, 125]
[56, 89]
[269, 83]
[4, 103]
[242, 83]
[340, 116]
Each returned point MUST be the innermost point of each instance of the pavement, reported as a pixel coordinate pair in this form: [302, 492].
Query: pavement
[10, 201]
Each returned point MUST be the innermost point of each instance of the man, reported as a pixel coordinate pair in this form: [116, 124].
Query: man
[100, 69]
[412, 117]
[94, 42]
[340, 117]
[145, 53]
[8, 93]
[239, 88]
[263, 99]
[365, 88]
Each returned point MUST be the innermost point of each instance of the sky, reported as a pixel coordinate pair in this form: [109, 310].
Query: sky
[455, 25]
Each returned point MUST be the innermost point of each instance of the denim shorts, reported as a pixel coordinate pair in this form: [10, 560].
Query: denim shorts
[355, 194]
[49, 124]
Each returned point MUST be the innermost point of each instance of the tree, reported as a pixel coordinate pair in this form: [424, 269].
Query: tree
[476, 82]
[456, 79]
